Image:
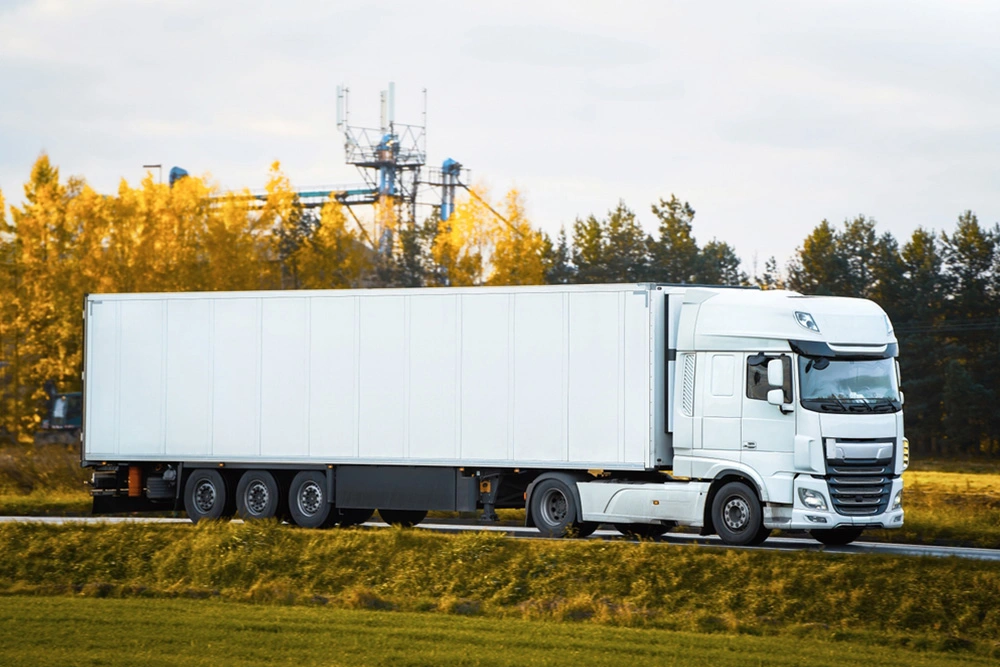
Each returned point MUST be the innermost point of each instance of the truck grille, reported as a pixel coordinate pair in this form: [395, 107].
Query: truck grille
[860, 487]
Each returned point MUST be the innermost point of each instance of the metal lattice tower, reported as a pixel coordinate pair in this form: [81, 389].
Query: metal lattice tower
[389, 158]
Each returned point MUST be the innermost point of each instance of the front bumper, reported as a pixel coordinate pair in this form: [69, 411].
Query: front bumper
[805, 518]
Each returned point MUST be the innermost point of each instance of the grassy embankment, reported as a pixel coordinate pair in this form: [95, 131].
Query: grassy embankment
[945, 502]
[910, 603]
[206, 632]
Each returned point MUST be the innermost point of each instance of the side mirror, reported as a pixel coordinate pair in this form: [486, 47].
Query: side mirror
[775, 373]
[776, 397]
[901, 401]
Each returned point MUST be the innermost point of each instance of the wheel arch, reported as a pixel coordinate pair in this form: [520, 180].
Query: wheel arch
[567, 477]
[722, 478]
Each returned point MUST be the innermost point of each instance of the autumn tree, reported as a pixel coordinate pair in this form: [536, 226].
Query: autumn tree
[333, 255]
[520, 253]
[8, 340]
[287, 228]
[461, 245]
[44, 309]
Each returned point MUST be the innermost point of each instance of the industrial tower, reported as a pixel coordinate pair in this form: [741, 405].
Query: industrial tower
[390, 159]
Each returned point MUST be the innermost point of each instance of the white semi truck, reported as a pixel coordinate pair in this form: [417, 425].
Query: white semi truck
[736, 411]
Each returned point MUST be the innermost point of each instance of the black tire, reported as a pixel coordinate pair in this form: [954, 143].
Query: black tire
[403, 518]
[308, 503]
[554, 511]
[353, 517]
[205, 495]
[836, 537]
[644, 530]
[759, 538]
[257, 496]
[737, 515]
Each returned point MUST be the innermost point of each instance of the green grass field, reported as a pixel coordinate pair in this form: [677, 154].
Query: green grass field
[84, 631]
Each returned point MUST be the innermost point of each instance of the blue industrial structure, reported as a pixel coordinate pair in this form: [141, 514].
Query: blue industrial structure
[176, 174]
[390, 159]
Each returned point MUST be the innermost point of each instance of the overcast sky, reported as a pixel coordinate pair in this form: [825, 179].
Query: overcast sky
[766, 116]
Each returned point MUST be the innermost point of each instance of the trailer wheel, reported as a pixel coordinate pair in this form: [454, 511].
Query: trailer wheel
[403, 518]
[307, 500]
[257, 495]
[836, 537]
[644, 530]
[554, 511]
[737, 515]
[204, 495]
[353, 517]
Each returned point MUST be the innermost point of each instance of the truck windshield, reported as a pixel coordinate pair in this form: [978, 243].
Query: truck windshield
[832, 385]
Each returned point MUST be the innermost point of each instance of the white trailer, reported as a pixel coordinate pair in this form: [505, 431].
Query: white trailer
[772, 410]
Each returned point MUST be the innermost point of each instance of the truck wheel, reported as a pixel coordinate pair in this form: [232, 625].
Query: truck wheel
[353, 517]
[644, 530]
[257, 495]
[307, 500]
[403, 518]
[759, 538]
[836, 537]
[204, 495]
[553, 508]
[737, 515]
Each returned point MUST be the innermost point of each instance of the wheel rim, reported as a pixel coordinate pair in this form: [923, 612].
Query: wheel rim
[256, 497]
[309, 499]
[204, 496]
[554, 506]
[736, 513]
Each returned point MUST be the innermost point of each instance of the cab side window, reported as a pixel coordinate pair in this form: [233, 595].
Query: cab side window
[757, 386]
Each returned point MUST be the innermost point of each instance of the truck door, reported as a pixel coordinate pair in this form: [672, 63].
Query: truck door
[768, 432]
[721, 405]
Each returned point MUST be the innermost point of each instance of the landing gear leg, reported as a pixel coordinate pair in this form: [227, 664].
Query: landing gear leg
[489, 485]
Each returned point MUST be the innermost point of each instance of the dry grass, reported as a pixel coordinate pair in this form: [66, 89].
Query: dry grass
[914, 601]
[53, 468]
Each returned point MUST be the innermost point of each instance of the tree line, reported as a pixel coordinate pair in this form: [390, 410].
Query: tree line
[941, 289]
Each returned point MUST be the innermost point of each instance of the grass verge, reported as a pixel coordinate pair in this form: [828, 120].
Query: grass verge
[205, 632]
[907, 602]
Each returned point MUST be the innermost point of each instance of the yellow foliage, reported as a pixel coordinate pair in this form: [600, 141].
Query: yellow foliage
[334, 256]
[519, 252]
[67, 240]
[463, 242]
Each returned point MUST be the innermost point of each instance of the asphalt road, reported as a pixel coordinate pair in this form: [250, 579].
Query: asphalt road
[521, 532]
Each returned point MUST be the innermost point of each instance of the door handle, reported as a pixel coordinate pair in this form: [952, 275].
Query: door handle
[749, 445]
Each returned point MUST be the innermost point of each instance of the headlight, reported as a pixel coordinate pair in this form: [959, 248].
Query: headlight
[814, 500]
[906, 453]
[897, 502]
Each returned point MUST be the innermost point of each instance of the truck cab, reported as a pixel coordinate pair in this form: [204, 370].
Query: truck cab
[798, 395]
